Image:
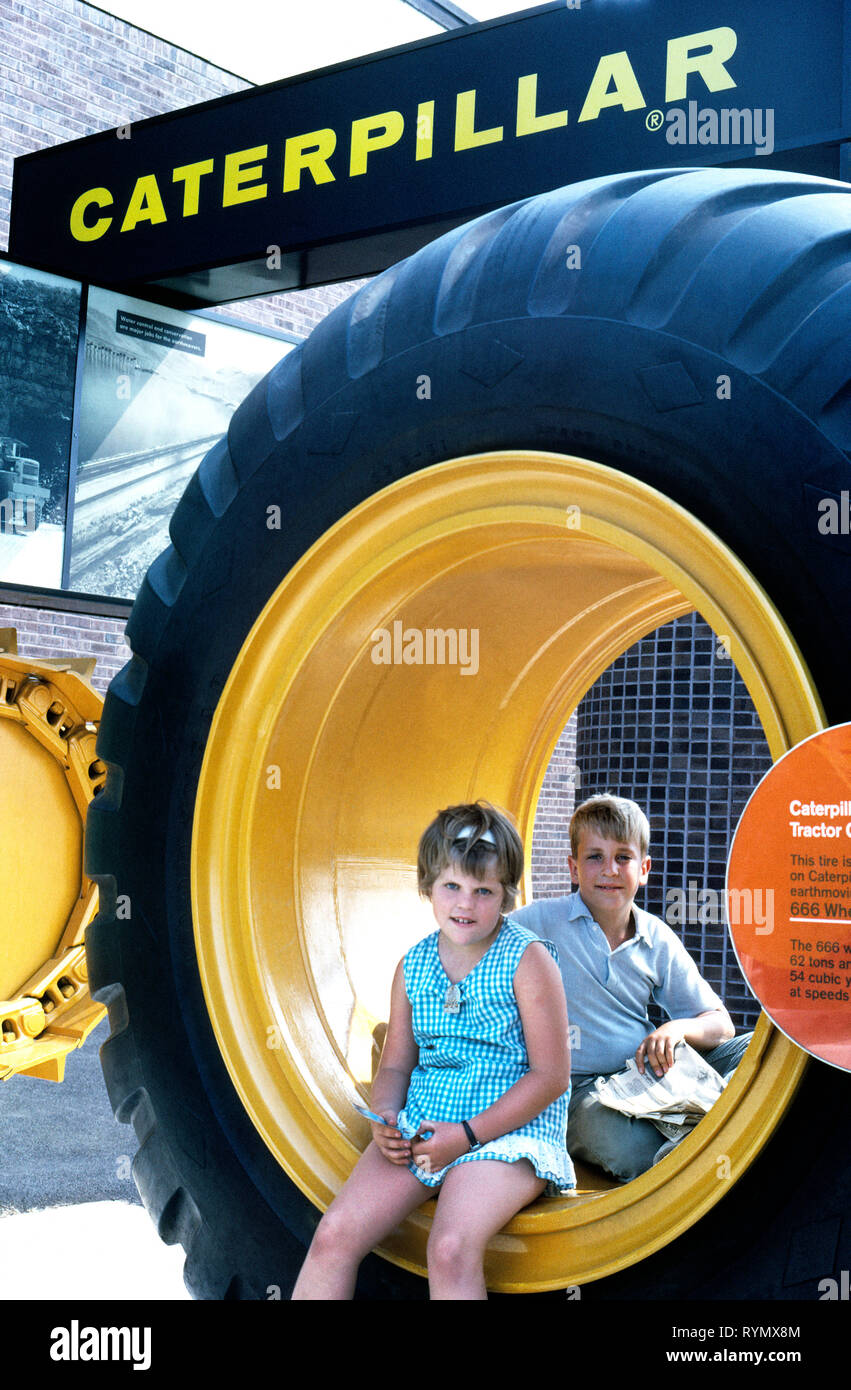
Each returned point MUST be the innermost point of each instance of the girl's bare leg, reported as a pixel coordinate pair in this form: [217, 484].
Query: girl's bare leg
[376, 1198]
[476, 1200]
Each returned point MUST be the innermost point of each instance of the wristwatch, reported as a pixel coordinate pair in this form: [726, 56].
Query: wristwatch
[474, 1143]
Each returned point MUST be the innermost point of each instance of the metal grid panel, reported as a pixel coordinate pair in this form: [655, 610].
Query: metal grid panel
[671, 725]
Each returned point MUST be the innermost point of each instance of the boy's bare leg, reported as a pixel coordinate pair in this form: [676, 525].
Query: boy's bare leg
[376, 1198]
[476, 1200]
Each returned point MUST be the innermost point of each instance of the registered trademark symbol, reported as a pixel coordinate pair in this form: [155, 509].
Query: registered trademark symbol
[654, 120]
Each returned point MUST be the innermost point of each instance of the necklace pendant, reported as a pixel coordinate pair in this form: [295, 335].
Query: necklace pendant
[452, 1000]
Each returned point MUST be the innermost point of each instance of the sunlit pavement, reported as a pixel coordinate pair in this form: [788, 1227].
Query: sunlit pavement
[72, 1225]
[97, 1250]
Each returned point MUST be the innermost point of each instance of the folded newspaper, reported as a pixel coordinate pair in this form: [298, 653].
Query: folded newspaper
[673, 1102]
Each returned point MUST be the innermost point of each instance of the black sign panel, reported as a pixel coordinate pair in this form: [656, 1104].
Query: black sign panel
[339, 173]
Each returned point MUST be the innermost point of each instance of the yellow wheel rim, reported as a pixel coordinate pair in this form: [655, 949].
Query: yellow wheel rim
[324, 765]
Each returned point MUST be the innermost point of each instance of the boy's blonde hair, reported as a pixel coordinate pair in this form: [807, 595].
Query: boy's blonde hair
[478, 838]
[613, 817]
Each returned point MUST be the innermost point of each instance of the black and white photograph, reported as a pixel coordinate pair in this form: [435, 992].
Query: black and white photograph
[39, 323]
[159, 387]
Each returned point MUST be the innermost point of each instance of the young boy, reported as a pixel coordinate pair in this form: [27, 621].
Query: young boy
[615, 958]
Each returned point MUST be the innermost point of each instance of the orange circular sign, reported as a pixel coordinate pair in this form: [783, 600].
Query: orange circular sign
[789, 894]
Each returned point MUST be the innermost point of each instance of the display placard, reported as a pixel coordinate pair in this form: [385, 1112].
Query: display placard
[789, 894]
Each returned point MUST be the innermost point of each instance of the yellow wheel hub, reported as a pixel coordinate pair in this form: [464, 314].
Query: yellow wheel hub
[325, 763]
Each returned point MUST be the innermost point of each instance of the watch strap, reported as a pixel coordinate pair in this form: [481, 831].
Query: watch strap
[474, 1143]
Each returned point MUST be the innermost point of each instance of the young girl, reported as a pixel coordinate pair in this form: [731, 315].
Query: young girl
[475, 1067]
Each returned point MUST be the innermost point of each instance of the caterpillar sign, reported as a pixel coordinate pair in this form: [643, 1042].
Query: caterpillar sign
[342, 172]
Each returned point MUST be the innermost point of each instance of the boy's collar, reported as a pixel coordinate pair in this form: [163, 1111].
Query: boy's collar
[639, 916]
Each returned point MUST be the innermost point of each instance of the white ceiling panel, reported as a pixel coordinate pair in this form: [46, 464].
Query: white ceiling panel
[263, 41]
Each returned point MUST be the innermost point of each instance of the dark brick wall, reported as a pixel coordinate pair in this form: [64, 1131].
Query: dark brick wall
[559, 792]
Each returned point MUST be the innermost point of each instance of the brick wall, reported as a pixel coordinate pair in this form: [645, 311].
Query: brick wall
[51, 632]
[68, 69]
[550, 843]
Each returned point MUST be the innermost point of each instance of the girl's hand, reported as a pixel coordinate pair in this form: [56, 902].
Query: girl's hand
[445, 1143]
[398, 1059]
[390, 1141]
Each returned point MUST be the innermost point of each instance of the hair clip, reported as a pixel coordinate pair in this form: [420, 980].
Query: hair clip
[469, 831]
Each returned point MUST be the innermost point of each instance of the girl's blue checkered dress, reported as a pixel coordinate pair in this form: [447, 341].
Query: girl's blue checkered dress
[469, 1059]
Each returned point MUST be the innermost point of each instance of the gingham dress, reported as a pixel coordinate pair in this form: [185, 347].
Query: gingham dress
[469, 1059]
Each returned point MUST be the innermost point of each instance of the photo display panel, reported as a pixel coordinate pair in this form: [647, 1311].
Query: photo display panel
[39, 327]
[159, 389]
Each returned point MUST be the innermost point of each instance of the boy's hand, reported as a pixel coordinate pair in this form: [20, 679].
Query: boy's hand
[658, 1047]
[445, 1143]
[390, 1140]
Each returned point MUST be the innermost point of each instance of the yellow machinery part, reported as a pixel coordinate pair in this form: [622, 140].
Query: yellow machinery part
[49, 772]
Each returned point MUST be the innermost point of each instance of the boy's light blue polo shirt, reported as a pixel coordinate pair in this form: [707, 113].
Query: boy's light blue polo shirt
[608, 992]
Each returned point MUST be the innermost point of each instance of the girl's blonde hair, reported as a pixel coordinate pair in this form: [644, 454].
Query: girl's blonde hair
[478, 838]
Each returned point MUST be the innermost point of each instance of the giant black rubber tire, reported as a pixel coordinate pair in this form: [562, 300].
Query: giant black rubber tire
[682, 279]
